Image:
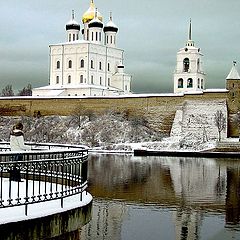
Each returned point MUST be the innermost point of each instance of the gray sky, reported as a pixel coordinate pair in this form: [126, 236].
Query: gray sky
[151, 32]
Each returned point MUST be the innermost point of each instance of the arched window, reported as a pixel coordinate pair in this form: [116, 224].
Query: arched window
[96, 36]
[70, 64]
[109, 82]
[198, 83]
[81, 78]
[189, 83]
[186, 64]
[92, 79]
[100, 37]
[100, 65]
[73, 37]
[69, 79]
[100, 80]
[92, 66]
[57, 79]
[58, 64]
[202, 84]
[82, 63]
[107, 39]
[180, 83]
[108, 66]
[69, 37]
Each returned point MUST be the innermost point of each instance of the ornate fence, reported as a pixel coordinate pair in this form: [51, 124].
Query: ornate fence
[48, 172]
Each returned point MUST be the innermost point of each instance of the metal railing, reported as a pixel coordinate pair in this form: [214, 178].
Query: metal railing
[48, 172]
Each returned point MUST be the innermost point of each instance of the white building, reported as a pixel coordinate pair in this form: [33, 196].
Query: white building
[189, 75]
[87, 65]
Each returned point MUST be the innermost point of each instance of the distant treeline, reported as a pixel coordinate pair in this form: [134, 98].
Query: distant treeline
[8, 91]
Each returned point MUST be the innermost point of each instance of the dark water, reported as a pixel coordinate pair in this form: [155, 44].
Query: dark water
[151, 198]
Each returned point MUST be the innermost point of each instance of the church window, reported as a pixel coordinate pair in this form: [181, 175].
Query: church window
[108, 81]
[69, 37]
[70, 64]
[189, 83]
[92, 36]
[96, 36]
[92, 66]
[58, 64]
[126, 87]
[198, 83]
[186, 64]
[77, 37]
[202, 83]
[108, 66]
[100, 37]
[107, 39]
[92, 79]
[81, 78]
[73, 37]
[82, 63]
[87, 34]
[100, 65]
[111, 40]
[57, 80]
[100, 80]
[180, 83]
[69, 79]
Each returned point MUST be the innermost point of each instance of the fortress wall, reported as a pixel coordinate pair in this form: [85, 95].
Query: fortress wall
[159, 110]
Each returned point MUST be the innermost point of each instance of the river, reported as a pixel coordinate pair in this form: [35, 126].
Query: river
[152, 198]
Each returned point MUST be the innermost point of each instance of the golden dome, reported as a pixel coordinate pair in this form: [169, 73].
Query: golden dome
[90, 13]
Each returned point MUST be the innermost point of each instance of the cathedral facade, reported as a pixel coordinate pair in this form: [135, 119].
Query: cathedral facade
[89, 63]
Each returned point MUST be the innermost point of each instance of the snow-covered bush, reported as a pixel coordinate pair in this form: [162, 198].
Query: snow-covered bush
[104, 131]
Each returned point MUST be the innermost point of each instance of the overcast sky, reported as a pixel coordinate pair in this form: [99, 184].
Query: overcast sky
[150, 32]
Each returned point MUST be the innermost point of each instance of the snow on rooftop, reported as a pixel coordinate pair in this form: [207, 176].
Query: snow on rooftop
[233, 75]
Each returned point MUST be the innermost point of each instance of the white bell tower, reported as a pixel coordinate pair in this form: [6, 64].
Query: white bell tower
[189, 75]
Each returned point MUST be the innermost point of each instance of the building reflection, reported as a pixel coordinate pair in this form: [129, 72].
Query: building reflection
[189, 185]
[233, 197]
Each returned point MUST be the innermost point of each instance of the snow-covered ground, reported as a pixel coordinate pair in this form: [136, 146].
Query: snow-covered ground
[36, 210]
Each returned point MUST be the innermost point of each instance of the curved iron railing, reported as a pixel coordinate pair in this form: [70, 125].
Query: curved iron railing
[48, 172]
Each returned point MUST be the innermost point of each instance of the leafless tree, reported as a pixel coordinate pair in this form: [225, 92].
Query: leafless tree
[26, 91]
[7, 91]
[220, 122]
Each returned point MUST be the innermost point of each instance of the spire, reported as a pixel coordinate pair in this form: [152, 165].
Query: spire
[233, 75]
[190, 30]
[190, 42]
[110, 16]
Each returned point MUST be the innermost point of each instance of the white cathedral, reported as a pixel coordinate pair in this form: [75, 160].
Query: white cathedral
[90, 65]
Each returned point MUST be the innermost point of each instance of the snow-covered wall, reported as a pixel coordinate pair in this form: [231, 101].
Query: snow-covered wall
[196, 117]
[157, 109]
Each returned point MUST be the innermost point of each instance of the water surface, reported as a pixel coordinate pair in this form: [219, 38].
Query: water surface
[148, 198]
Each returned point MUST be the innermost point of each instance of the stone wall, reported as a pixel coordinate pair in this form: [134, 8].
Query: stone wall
[159, 110]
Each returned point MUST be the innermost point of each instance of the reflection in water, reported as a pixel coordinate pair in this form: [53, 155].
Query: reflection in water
[163, 198]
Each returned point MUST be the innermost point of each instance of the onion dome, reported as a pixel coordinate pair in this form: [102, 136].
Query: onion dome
[90, 14]
[95, 22]
[72, 24]
[110, 26]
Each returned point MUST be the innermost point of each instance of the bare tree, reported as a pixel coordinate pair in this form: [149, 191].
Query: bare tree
[220, 122]
[26, 91]
[7, 91]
